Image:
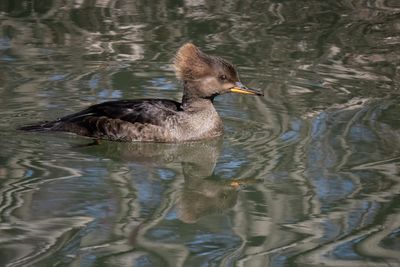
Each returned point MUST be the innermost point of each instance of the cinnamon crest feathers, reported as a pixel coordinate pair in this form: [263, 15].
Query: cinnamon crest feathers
[191, 63]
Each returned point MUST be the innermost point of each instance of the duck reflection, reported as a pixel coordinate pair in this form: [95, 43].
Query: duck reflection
[205, 196]
[205, 193]
[202, 192]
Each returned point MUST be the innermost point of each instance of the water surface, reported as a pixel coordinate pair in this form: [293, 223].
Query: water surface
[306, 176]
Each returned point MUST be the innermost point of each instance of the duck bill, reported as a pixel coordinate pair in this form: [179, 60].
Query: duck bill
[239, 88]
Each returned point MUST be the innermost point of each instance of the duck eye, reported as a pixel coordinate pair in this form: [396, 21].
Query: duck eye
[222, 77]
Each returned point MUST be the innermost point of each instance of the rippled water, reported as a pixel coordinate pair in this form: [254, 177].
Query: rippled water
[306, 176]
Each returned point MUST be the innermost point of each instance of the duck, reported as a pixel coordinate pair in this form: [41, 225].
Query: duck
[203, 76]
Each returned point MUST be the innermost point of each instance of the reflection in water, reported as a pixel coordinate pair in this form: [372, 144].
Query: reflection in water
[199, 194]
[202, 192]
[306, 176]
[137, 209]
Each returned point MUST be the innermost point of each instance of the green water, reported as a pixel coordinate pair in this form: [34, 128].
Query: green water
[307, 175]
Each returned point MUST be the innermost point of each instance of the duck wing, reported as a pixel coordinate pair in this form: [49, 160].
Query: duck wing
[149, 111]
[123, 120]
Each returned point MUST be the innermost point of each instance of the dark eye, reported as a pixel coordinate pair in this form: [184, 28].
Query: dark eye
[222, 77]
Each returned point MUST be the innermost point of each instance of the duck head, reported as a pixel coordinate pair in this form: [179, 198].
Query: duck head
[205, 76]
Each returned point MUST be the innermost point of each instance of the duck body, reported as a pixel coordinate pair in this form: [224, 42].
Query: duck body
[153, 120]
[161, 120]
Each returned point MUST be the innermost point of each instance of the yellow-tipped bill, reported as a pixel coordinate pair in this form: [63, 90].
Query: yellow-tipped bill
[241, 89]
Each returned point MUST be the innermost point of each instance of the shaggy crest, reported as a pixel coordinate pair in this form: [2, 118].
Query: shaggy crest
[191, 63]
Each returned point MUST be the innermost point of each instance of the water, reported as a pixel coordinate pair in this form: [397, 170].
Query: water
[306, 176]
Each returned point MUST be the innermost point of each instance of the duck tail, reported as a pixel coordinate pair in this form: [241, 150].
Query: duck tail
[39, 127]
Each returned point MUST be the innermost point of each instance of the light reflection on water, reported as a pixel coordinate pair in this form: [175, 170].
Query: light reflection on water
[306, 176]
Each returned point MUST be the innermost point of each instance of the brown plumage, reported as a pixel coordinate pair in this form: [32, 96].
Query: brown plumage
[191, 63]
[161, 120]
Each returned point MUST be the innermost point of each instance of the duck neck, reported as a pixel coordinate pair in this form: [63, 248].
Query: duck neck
[191, 97]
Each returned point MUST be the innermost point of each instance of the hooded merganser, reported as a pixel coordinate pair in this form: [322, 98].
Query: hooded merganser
[162, 120]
